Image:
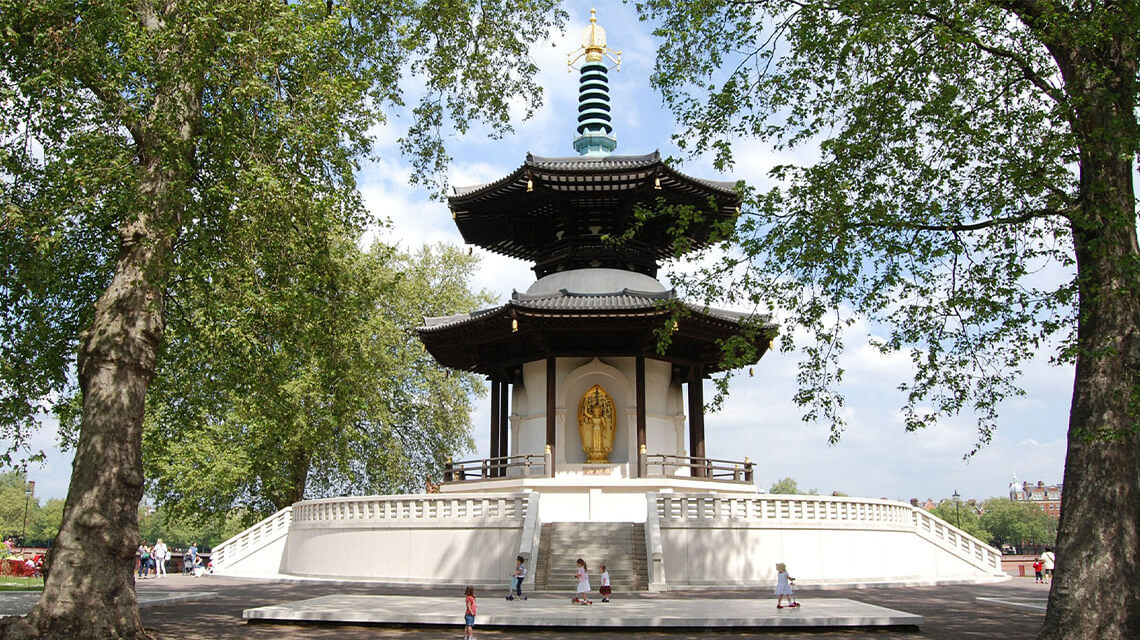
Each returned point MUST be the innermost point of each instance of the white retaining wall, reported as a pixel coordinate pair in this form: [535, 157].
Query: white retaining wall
[708, 540]
[692, 540]
[420, 538]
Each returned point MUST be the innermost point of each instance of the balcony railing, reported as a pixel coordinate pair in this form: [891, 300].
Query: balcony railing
[653, 465]
[531, 466]
[658, 465]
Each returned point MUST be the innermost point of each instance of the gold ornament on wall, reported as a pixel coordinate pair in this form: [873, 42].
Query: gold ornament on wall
[596, 424]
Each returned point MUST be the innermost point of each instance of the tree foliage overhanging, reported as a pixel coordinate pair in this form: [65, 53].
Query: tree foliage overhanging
[962, 174]
[144, 143]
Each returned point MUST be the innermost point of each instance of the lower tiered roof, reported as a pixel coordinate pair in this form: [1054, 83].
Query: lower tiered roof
[563, 323]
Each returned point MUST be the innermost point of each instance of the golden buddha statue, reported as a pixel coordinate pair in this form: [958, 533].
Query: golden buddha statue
[596, 424]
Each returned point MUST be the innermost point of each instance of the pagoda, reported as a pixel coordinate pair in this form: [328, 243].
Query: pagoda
[597, 451]
[580, 384]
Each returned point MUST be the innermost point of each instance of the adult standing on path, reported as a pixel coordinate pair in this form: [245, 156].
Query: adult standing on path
[1049, 560]
[161, 554]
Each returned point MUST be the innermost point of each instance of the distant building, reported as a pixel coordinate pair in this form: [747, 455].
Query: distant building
[1048, 497]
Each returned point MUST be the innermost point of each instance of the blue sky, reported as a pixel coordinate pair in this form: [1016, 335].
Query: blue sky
[876, 457]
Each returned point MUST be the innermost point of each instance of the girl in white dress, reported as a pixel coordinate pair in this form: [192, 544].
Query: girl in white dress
[583, 577]
[784, 587]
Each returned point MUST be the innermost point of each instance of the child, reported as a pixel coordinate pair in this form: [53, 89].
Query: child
[583, 583]
[469, 615]
[1038, 565]
[605, 588]
[517, 579]
[784, 587]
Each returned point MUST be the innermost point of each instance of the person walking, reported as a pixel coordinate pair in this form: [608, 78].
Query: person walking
[469, 613]
[583, 576]
[605, 589]
[1049, 561]
[161, 554]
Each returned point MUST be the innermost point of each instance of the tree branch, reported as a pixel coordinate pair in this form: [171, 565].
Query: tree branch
[1026, 69]
[973, 226]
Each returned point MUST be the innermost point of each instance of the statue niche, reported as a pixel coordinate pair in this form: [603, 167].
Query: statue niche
[596, 424]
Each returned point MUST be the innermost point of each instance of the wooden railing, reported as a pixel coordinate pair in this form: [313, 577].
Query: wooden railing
[708, 468]
[530, 466]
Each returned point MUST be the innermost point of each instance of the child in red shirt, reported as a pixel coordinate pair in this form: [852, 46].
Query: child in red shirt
[469, 614]
[1037, 567]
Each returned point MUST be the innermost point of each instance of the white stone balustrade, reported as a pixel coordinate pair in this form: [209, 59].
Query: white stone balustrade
[826, 539]
[230, 553]
[420, 508]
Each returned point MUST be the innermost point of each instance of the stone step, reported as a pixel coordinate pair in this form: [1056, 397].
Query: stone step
[620, 545]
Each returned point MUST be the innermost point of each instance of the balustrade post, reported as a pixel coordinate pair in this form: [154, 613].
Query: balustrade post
[747, 469]
[642, 462]
[448, 474]
[548, 462]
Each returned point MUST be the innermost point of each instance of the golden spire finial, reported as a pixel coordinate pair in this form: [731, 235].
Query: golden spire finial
[593, 45]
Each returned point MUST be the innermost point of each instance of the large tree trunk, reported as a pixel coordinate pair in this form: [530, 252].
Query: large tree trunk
[1094, 592]
[90, 591]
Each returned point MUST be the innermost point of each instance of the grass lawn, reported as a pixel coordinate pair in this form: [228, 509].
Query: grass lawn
[11, 583]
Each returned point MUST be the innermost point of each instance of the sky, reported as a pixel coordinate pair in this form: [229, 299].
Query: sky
[876, 457]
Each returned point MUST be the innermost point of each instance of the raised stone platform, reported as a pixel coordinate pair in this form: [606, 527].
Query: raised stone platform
[541, 611]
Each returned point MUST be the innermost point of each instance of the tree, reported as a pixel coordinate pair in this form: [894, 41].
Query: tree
[45, 527]
[138, 138]
[291, 395]
[15, 505]
[965, 517]
[970, 191]
[789, 486]
[1017, 523]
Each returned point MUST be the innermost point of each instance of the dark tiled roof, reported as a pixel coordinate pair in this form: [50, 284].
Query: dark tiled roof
[618, 300]
[589, 167]
[588, 304]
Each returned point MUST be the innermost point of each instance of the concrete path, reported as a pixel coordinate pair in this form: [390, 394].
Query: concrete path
[621, 613]
[17, 603]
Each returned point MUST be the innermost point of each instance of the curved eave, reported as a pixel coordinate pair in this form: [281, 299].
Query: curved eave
[566, 204]
[573, 173]
[484, 342]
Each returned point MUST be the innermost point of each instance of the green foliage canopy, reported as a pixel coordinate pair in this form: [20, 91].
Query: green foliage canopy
[1015, 523]
[275, 390]
[789, 486]
[965, 517]
[282, 101]
[940, 203]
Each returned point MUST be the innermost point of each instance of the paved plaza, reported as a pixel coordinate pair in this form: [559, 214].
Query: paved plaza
[948, 612]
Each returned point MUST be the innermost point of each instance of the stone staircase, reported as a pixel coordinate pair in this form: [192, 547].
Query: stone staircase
[620, 545]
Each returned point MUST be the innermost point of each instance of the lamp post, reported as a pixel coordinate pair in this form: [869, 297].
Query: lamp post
[957, 513]
[29, 490]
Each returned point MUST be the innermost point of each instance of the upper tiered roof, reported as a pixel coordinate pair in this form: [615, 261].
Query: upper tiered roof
[567, 213]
